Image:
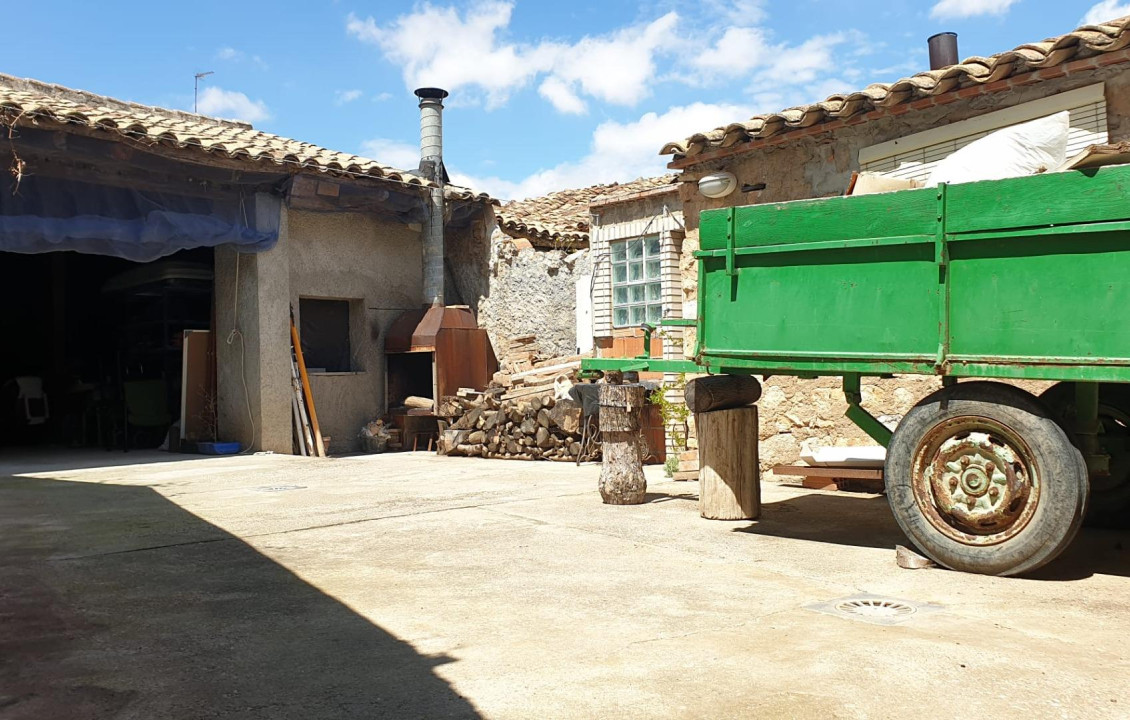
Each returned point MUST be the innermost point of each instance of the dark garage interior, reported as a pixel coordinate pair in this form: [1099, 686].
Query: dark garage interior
[93, 346]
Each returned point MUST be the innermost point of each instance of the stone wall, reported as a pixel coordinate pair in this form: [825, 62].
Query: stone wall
[795, 411]
[533, 292]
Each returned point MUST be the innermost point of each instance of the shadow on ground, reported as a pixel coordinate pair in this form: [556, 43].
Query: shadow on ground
[840, 519]
[187, 629]
[865, 520]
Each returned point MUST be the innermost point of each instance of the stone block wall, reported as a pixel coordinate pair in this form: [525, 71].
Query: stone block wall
[533, 292]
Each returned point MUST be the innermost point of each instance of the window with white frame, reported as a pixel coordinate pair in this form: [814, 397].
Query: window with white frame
[637, 285]
[915, 156]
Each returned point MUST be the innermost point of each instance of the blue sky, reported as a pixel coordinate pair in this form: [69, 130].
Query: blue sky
[544, 95]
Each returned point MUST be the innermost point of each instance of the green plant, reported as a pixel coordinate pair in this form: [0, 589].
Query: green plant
[675, 416]
[671, 466]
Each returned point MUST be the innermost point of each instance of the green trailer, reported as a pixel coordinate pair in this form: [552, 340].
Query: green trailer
[1020, 279]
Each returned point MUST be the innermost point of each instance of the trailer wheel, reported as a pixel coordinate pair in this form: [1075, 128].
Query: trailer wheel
[1110, 495]
[982, 479]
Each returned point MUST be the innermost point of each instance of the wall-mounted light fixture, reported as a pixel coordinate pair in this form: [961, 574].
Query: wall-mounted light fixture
[717, 185]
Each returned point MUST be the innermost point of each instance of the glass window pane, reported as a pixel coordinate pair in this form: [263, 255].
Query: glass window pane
[638, 314]
[619, 252]
[620, 316]
[637, 293]
[653, 246]
[652, 269]
[635, 249]
[620, 296]
[635, 271]
[654, 313]
[619, 273]
[654, 291]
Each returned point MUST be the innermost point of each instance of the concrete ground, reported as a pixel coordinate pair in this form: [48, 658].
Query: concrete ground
[412, 586]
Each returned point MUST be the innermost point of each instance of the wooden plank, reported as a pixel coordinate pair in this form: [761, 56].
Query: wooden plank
[198, 400]
[910, 212]
[319, 444]
[1039, 200]
[829, 472]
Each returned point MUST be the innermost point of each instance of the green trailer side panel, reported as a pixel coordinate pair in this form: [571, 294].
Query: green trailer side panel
[1020, 278]
[1052, 199]
[839, 303]
[1026, 299]
[911, 212]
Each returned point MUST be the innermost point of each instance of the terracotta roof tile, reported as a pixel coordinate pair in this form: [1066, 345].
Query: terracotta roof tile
[30, 102]
[1087, 41]
[561, 219]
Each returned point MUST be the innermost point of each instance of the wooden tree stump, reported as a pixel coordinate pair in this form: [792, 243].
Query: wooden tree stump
[728, 473]
[621, 474]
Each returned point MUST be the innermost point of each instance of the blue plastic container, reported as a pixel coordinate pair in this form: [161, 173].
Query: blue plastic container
[219, 448]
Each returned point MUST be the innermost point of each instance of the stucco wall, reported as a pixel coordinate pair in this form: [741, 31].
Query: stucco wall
[795, 411]
[532, 292]
[374, 263]
[249, 297]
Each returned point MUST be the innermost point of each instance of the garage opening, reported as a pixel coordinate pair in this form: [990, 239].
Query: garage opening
[94, 348]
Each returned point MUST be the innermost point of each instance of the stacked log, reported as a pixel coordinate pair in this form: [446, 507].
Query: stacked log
[537, 426]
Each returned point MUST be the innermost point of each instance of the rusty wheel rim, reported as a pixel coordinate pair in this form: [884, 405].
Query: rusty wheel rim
[975, 480]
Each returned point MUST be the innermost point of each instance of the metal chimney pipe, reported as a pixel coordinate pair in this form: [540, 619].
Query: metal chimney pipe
[431, 167]
[943, 50]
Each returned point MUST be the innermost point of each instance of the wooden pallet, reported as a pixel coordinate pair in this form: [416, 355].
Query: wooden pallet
[835, 478]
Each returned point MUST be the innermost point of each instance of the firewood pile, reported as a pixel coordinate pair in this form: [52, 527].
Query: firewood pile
[526, 413]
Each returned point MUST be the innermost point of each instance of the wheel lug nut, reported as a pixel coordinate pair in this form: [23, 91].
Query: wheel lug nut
[953, 483]
[965, 461]
[989, 467]
[994, 492]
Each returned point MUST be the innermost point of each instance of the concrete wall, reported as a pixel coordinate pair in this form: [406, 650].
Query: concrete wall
[377, 266]
[532, 292]
[820, 164]
[253, 344]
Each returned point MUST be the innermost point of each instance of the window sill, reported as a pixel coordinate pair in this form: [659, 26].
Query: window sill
[322, 373]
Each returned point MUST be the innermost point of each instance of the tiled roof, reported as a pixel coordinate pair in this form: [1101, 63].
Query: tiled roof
[1087, 41]
[561, 219]
[30, 102]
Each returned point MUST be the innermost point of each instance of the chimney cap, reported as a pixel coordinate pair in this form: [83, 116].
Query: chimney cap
[429, 93]
[927, 39]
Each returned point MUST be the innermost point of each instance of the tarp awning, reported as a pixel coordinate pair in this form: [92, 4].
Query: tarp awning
[49, 214]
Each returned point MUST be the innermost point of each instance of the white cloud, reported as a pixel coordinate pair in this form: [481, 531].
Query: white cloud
[558, 92]
[230, 54]
[619, 152]
[217, 102]
[954, 9]
[1105, 10]
[739, 50]
[400, 155]
[341, 97]
[383, 97]
[439, 47]
[618, 68]
[442, 47]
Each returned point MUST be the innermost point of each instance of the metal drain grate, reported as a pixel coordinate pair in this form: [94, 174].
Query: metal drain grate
[874, 609]
[280, 488]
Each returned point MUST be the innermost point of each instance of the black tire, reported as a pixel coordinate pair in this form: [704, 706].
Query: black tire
[1002, 443]
[1110, 496]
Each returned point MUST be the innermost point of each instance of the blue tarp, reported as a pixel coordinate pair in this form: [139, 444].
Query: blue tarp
[48, 214]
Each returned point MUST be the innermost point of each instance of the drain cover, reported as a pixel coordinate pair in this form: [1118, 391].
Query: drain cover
[280, 488]
[874, 609]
